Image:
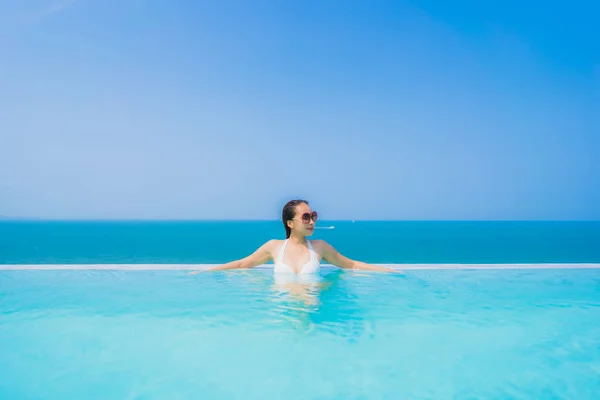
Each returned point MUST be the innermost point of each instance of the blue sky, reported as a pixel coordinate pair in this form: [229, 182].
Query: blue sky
[371, 109]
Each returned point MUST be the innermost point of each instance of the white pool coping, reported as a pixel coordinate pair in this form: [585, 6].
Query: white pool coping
[160, 267]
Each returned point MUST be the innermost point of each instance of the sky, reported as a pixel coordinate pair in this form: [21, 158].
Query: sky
[189, 109]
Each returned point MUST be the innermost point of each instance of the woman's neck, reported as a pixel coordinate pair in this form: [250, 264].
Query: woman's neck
[297, 239]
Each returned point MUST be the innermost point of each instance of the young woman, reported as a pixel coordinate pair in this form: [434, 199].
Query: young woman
[296, 254]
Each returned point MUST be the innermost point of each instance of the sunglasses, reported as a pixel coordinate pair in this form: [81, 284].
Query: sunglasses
[306, 217]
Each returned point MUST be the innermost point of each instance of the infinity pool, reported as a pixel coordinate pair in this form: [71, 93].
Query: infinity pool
[429, 334]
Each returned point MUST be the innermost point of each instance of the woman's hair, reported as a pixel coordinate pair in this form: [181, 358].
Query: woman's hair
[289, 210]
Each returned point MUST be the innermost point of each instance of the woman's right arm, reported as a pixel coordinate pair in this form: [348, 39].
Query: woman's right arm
[261, 256]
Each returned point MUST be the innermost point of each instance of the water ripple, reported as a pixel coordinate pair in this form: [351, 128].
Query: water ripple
[444, 334]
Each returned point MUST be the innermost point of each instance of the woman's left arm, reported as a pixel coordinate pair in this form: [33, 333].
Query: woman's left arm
[332, 256]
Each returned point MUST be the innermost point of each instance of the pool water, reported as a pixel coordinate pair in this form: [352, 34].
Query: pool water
[428, 334]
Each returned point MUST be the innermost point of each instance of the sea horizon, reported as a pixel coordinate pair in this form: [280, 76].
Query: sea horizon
[376, 242]
[92, 219]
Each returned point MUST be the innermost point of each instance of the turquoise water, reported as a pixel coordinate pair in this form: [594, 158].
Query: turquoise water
[431, 334]
[377, 242]
[428, 334]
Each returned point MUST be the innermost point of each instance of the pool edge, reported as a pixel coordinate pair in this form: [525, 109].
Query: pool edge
[161, 267]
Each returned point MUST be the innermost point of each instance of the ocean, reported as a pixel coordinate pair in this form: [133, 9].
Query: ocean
[86, 329]
[214, 242]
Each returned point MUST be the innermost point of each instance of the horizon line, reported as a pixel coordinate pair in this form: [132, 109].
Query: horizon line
[91, 219]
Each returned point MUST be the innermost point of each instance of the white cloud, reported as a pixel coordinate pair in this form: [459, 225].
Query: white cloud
[15, 17]
[18, 14]
[55, 8]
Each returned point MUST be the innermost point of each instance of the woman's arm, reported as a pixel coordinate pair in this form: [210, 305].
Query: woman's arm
[332, 256]
[261, 256]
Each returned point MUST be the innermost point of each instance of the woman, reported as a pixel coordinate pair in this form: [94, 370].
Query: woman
[297, 255]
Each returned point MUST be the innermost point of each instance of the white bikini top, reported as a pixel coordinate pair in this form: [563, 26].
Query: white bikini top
[312, 265]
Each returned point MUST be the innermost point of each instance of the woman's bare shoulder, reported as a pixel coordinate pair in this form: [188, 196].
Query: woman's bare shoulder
[319, 244]
[273, 245]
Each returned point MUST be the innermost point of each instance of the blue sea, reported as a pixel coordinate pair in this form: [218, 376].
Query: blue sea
[96, 330]
[213, 242]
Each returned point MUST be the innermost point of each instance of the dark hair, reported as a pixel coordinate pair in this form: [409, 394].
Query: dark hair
[289, 210]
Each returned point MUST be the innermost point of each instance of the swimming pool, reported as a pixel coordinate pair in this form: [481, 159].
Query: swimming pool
[435, 334]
